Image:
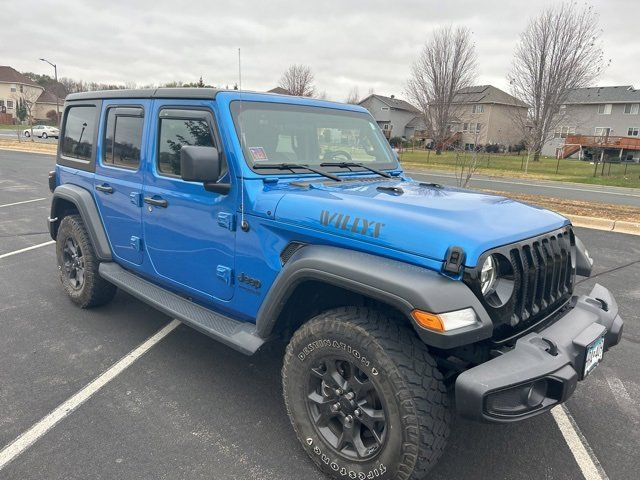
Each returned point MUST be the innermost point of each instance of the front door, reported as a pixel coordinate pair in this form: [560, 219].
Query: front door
[189, 231]
[119, 177]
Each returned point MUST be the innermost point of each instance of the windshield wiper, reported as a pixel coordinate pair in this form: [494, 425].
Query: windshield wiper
[355, 164]
[292, 166]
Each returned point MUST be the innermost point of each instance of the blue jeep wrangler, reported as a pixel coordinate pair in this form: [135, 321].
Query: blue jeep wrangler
[253, 217]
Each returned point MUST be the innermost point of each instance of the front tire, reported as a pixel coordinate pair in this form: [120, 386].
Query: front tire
[364, 396]
[78, 265]
[44, 136]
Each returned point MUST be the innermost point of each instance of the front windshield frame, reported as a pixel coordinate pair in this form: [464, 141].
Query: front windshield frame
[236, 106]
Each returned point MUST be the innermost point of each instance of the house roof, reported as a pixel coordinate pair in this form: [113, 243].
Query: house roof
[486, 94]
[392, 102]
[415, 122]
[616, 94]
[48, 97]
[11, 75]
[279, 91]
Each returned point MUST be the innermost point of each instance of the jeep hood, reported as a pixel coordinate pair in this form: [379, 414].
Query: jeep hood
[416, 218]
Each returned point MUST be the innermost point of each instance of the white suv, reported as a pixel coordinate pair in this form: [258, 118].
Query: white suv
[42, 131]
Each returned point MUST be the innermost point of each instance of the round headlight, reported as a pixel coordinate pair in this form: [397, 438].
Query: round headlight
[488, 275]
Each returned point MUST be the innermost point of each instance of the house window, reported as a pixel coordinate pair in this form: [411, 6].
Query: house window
[604, 109]
[21, 88]
[478, 109]
[1, 103]
[13, 88]
[632, 132]
[384, 109]
[563, 132]
[385, 126]
[631, 108]
[469, 146]
[9, 104]
[603, 131]
[465, 127]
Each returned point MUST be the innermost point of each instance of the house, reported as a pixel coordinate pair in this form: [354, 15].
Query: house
[598, 120]
[486, 115]
[16, 87]
[396, 118]
[279, 91]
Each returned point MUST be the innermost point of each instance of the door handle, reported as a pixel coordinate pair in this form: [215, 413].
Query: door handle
[158, 202]
[106, 188]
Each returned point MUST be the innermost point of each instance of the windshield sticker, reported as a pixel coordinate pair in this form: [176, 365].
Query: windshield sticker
[258, 154]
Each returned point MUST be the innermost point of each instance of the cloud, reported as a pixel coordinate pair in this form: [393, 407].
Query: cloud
[369, 44]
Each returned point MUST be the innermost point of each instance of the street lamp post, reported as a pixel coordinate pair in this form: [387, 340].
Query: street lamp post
[55, 73]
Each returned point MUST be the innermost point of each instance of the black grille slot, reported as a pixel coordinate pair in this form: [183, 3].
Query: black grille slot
[289, 250]
[543, 278]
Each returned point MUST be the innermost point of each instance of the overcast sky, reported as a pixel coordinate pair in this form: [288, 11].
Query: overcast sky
[368, 44]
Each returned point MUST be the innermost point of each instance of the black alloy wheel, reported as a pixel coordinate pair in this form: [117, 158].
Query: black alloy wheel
[73, 263]
[346, 408]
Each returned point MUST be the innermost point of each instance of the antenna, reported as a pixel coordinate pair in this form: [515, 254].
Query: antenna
[244, 225]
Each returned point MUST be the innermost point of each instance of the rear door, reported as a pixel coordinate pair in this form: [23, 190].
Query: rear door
[119, 177]
[189, 231]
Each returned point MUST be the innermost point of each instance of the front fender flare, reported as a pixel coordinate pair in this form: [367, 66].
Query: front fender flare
[86, 206]
[404, 286]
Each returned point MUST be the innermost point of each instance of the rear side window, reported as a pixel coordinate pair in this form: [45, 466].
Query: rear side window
[79, 130]
[123, 137]
[176, 132]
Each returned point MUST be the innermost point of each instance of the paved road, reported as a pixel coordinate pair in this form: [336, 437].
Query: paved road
[573, 191]
[191, 408]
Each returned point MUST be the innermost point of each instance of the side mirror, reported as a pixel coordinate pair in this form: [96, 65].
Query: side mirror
[202, 164]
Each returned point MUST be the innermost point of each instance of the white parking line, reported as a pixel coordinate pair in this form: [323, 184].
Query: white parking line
[28, 438]
[22, 250]
[20, 203]
[580, 448]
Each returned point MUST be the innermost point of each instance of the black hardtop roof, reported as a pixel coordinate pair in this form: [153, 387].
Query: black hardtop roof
[198, 93]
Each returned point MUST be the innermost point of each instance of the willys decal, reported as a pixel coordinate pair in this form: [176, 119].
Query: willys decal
[342, 221]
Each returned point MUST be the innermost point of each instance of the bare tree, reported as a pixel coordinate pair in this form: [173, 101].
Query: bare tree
[298, 80]
[468, 161]
[353, 97]
[560, 50]
[27, 99]
[446, 64]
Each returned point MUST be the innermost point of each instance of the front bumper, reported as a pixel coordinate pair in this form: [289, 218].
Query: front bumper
[543, 368]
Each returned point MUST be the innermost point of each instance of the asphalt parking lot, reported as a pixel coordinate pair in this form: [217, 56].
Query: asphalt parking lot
[192, 408]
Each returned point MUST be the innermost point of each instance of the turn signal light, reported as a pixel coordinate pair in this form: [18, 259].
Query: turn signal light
[444, 322]
[428, 320]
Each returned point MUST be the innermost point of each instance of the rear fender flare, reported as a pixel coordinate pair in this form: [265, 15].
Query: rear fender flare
[82, 199]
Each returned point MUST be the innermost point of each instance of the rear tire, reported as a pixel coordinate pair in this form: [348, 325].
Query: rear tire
[27, 134]
[394, 428]
[78, 265]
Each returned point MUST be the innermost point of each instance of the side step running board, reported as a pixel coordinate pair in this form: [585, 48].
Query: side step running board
[238, 335]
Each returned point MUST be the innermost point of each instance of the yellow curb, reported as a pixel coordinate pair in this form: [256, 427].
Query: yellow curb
[591, 222]
[620, 226]
[29, 147]
[632, 228]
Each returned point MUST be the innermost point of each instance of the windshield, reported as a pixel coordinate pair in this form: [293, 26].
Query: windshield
[273, 133]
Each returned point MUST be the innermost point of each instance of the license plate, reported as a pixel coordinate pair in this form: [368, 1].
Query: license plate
[595, 351]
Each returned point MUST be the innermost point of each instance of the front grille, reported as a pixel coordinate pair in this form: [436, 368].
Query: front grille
[542, 269]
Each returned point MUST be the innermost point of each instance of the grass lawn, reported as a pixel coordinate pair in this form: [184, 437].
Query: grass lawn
[12, 127]
[621, 175]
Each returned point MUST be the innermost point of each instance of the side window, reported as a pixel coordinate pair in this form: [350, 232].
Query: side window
[123, 137]
[77, 139]
[176, 132]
